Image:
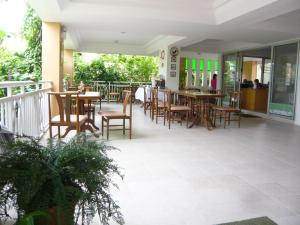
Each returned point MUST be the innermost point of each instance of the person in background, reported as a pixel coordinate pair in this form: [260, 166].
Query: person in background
[214, 82]
[256, 84]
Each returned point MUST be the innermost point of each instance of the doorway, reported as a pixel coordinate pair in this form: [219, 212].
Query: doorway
[255, 80]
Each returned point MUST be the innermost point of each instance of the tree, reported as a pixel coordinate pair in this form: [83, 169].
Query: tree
[113, 67]
[32, 33]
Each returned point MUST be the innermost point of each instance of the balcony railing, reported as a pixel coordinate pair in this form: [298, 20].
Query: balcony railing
[24, 110]
[107, 87]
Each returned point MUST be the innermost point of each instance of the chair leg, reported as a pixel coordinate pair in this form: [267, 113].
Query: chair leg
[187, 119]
[123, 126]
[157, 113]
[239, 119]
[225, 114]
[214, 117]
[50, 131]
[130, 128]
[94, 116]
[229, 118]
[58, 130]
[169, 119]
[164, 117]
[102, 125]
[107, 129]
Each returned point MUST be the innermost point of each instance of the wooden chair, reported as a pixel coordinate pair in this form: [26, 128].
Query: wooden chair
[73, 121]
[116, 115]
[225, 112]
[158, 107]
[147, 101]
[114, 93]
[180, 110]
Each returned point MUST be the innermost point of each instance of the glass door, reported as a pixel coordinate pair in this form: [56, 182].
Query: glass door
[282, 100]
[231, 75]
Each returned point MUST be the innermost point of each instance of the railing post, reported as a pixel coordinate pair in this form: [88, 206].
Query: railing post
[9, 91]
[22, 89]
[108, 91]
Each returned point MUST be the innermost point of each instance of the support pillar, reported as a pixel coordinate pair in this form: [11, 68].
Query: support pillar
[52, 57]
[197, 78]
[189, 74]
[170, 67]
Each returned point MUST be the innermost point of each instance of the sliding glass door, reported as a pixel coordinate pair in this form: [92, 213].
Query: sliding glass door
[282, 99]
[231, 78]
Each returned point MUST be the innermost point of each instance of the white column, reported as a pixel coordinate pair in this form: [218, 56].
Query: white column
[170, 67]
[205, 73]
[197, 78]
[220, 75]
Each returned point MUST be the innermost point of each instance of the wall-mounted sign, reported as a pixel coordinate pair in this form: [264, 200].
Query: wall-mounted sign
[174, 51]
[173, 66]
[173, 74]
[173, 59]
[162, 54]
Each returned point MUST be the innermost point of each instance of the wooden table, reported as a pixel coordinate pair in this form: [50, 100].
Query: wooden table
[202, 98]
[88, 96]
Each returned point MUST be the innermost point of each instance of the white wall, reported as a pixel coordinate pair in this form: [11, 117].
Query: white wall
[165, 68]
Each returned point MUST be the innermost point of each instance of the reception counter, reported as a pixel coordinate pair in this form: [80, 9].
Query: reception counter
[255, 99]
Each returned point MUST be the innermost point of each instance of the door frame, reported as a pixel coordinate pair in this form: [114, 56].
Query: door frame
[296, 78]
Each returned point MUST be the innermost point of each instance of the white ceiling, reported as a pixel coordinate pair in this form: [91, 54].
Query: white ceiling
[144, 26]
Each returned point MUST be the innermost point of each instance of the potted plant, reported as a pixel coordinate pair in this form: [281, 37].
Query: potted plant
[68, 180]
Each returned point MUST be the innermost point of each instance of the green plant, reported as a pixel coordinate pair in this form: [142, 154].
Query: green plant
[70, 180]
[115, 67]
[31, 217]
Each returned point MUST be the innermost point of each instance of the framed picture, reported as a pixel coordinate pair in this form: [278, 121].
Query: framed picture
[173, 74]
[173, 66]
[174, 59]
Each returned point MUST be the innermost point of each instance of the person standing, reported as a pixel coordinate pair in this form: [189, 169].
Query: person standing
[213, 82]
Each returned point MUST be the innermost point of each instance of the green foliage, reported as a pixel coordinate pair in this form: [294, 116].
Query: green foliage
[2, 35]
[109, 67]
[32, 33]
[29, 219]
[70, 179]
[94, 71]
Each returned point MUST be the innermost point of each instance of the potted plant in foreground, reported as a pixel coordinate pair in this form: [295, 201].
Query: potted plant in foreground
[69, 181]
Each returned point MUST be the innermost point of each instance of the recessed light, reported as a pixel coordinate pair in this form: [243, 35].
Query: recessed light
[116, 41]
[123, 32]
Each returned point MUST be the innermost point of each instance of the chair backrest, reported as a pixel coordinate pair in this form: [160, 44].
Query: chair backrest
[154, 96]
[127, 100]
[234, 99]
[168, 99]
[145, 94]
[65, 102]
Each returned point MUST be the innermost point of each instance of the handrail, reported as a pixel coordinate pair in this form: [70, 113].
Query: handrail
[4, 99]
[6, 84]
[25, 111]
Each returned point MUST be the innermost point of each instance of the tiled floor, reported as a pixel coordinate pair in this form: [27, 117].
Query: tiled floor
[198, 177]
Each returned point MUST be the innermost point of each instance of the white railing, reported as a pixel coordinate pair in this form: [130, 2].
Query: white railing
[107, 87]
[25, 110]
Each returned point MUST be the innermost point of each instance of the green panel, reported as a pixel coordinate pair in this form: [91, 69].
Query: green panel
[186, 64]
[216, 65]
[194, 63]
[201, 64]
[208, 65]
